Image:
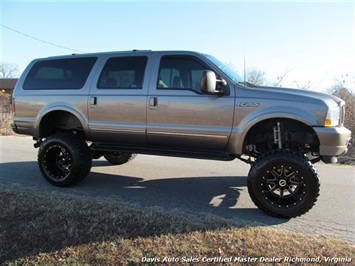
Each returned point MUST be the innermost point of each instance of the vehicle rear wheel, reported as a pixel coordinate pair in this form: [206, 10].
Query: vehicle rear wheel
[64, 159]
[283, 184]
[118, 158]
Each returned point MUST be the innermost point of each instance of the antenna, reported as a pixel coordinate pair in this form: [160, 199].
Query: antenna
[245, 68]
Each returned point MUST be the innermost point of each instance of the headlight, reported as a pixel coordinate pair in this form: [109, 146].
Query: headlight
[333, 116]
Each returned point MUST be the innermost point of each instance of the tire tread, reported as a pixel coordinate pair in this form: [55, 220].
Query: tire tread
[286, 154]
[81, 150]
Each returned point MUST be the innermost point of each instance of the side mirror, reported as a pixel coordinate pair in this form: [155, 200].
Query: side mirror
[209, 82]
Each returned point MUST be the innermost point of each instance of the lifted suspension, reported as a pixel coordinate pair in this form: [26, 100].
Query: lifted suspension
[277, 135]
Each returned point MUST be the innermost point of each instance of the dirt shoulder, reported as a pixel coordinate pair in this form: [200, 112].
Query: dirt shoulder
[54, 228]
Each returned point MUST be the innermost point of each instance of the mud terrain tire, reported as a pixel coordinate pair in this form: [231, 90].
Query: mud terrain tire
[283, 184]
[64, 159]
[119, 158]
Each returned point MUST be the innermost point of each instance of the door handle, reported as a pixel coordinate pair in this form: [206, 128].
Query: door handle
[153, 103]
[93, 102]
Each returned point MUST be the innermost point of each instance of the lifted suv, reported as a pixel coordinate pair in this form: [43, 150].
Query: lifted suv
[178, 103]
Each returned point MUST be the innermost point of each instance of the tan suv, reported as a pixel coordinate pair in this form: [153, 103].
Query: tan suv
[178, 103]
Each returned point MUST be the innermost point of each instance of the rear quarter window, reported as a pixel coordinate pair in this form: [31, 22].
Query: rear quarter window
[58, 74]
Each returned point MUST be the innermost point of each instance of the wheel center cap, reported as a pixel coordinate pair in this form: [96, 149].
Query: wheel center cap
[282, 183]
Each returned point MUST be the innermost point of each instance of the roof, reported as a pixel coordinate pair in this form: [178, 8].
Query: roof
[7, 83]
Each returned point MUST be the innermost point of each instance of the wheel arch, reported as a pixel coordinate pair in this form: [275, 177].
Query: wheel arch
[305, 132]
[63, 119]
[263, 115]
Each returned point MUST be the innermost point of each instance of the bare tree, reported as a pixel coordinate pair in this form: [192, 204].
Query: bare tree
[278, 82]
[344, 88]
[8, 70]
[344, 81]
[349, 99]
[256, 77]
[305, 86]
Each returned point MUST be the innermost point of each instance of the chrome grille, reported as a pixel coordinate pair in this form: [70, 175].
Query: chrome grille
[342, 114]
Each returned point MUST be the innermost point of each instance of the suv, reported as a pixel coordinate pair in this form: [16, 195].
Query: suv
[178, 103]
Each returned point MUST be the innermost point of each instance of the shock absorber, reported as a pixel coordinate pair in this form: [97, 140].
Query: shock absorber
[277, 135]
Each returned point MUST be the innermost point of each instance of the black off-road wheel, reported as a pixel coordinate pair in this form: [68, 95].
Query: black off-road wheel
[64, 159]
[118, 158]
[283, 184]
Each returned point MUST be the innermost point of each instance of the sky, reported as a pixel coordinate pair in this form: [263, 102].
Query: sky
[313, 42]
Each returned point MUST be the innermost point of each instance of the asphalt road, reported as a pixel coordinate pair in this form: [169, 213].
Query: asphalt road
[189, 185]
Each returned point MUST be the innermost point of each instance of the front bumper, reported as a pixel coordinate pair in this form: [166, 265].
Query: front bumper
[334, 141]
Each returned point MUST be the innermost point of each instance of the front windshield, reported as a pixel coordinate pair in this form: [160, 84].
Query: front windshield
[226, 69]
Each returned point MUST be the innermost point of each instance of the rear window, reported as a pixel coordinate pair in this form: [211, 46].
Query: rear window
[58, 74]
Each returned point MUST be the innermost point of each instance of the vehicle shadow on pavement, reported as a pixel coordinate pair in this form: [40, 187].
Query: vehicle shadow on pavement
[224, 196]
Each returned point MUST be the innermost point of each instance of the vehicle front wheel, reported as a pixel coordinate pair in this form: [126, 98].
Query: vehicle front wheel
[118, 158]
[64, 159]
[283, 184]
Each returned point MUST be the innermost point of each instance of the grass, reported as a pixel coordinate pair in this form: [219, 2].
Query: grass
[55, 228]
[5, 128]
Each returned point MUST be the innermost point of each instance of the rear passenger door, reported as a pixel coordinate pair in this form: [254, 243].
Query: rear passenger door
[179, 115]
[117, 101]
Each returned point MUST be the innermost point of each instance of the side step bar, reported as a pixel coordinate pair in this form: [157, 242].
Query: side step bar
[106, 148]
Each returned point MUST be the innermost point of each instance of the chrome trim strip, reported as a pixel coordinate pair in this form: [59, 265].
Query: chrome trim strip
[117, 130]
[187, 134]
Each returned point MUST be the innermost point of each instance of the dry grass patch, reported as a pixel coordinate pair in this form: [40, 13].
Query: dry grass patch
[54, 228]
[5, 126]
[33, 221]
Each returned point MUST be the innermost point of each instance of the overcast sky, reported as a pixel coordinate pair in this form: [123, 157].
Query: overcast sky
[314, 41]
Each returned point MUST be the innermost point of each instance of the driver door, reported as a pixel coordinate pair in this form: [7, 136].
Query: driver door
[179, 115]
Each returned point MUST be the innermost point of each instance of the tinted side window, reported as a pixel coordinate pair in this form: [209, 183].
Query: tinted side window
[123, 73]
[70, 73]
[180, 72]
